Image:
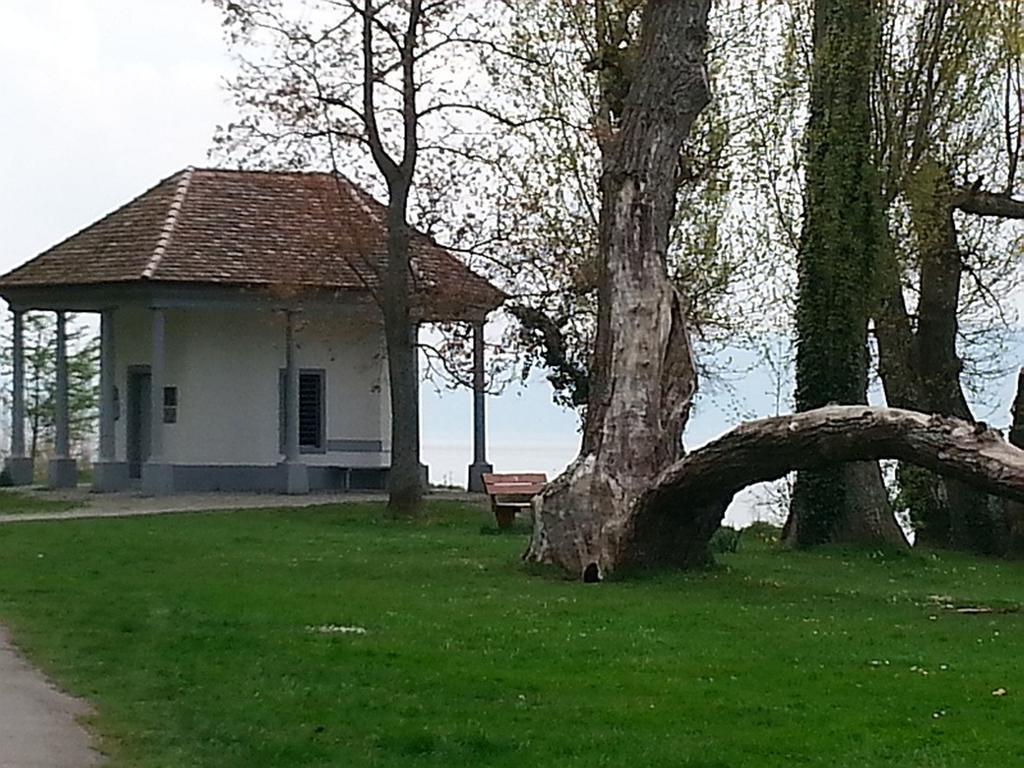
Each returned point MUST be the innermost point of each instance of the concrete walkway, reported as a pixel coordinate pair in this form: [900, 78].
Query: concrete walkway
[38, 723]
[88, 505]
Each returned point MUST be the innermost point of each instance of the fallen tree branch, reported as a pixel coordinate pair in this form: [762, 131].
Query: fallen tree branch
[676, 516]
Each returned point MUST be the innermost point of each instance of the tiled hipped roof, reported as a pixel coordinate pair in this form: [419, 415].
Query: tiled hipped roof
[290, 231]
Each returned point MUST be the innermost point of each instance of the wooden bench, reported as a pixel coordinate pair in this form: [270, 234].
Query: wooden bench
[511, 493]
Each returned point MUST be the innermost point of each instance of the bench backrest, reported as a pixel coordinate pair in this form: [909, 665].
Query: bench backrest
[514, 485]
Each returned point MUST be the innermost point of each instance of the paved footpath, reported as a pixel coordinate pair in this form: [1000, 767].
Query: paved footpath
[38, 723]
[129, 504]
[134, 505]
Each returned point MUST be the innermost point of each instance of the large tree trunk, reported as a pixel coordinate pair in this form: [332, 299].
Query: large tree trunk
[405, 476]
[921, 490]
[894, 335]
[1013, 511]
[843, 227]
[1017, 413]
[643, 377]
[675, 518]
[945, 513]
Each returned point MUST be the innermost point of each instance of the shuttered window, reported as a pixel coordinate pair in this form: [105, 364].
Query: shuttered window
[312, 410]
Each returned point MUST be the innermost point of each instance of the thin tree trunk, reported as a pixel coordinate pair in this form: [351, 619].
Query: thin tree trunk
[36, 414]
[676, 517]
[643, 377]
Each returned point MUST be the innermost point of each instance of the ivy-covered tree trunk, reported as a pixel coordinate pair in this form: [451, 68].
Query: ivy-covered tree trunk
[642, 375]
[843, 226]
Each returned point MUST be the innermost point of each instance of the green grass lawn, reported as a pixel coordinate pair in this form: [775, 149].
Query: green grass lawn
[15, 503]
[196, 638]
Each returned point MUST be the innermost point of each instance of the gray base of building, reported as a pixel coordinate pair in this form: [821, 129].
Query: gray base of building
[296, 478]
[62, 473]
[110, 476]
[477, 471]
[21, 469]
[157, 479]
[163, 479]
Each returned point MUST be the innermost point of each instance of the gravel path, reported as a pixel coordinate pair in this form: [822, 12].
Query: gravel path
[38, 723]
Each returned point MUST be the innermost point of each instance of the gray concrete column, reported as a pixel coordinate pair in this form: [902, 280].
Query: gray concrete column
[157, 475]
[291, 391]
[62, 444]
[157, 377]
[19, 466]
[108, 474]
[479, 467]
[18, 400]
[296, 474]
[424, 468]
[63, 471]
[107, 375]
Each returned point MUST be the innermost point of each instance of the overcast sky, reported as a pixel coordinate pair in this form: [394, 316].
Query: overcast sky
[102, 98]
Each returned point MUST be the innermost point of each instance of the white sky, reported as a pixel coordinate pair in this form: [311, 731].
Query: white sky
[102, 98]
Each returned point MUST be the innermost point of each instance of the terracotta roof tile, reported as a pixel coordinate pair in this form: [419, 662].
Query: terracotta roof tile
[253, 228]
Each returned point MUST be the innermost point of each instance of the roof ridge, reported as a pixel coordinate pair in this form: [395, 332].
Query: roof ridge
[167, 232]
[100, 220]
[267, 171]
[357, 196]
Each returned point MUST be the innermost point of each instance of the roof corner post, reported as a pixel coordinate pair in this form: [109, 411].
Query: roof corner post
[157, 475]
[107, 374]
[20, 468]
[108, 474]
[479, 467]
[296, 473]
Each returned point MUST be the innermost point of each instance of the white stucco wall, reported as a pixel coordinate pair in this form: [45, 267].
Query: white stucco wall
[226, 364]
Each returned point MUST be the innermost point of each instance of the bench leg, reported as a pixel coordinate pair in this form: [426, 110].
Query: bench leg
[505, 516]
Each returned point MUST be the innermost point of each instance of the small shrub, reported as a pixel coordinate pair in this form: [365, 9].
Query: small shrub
[6, 481]
[725, 540]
